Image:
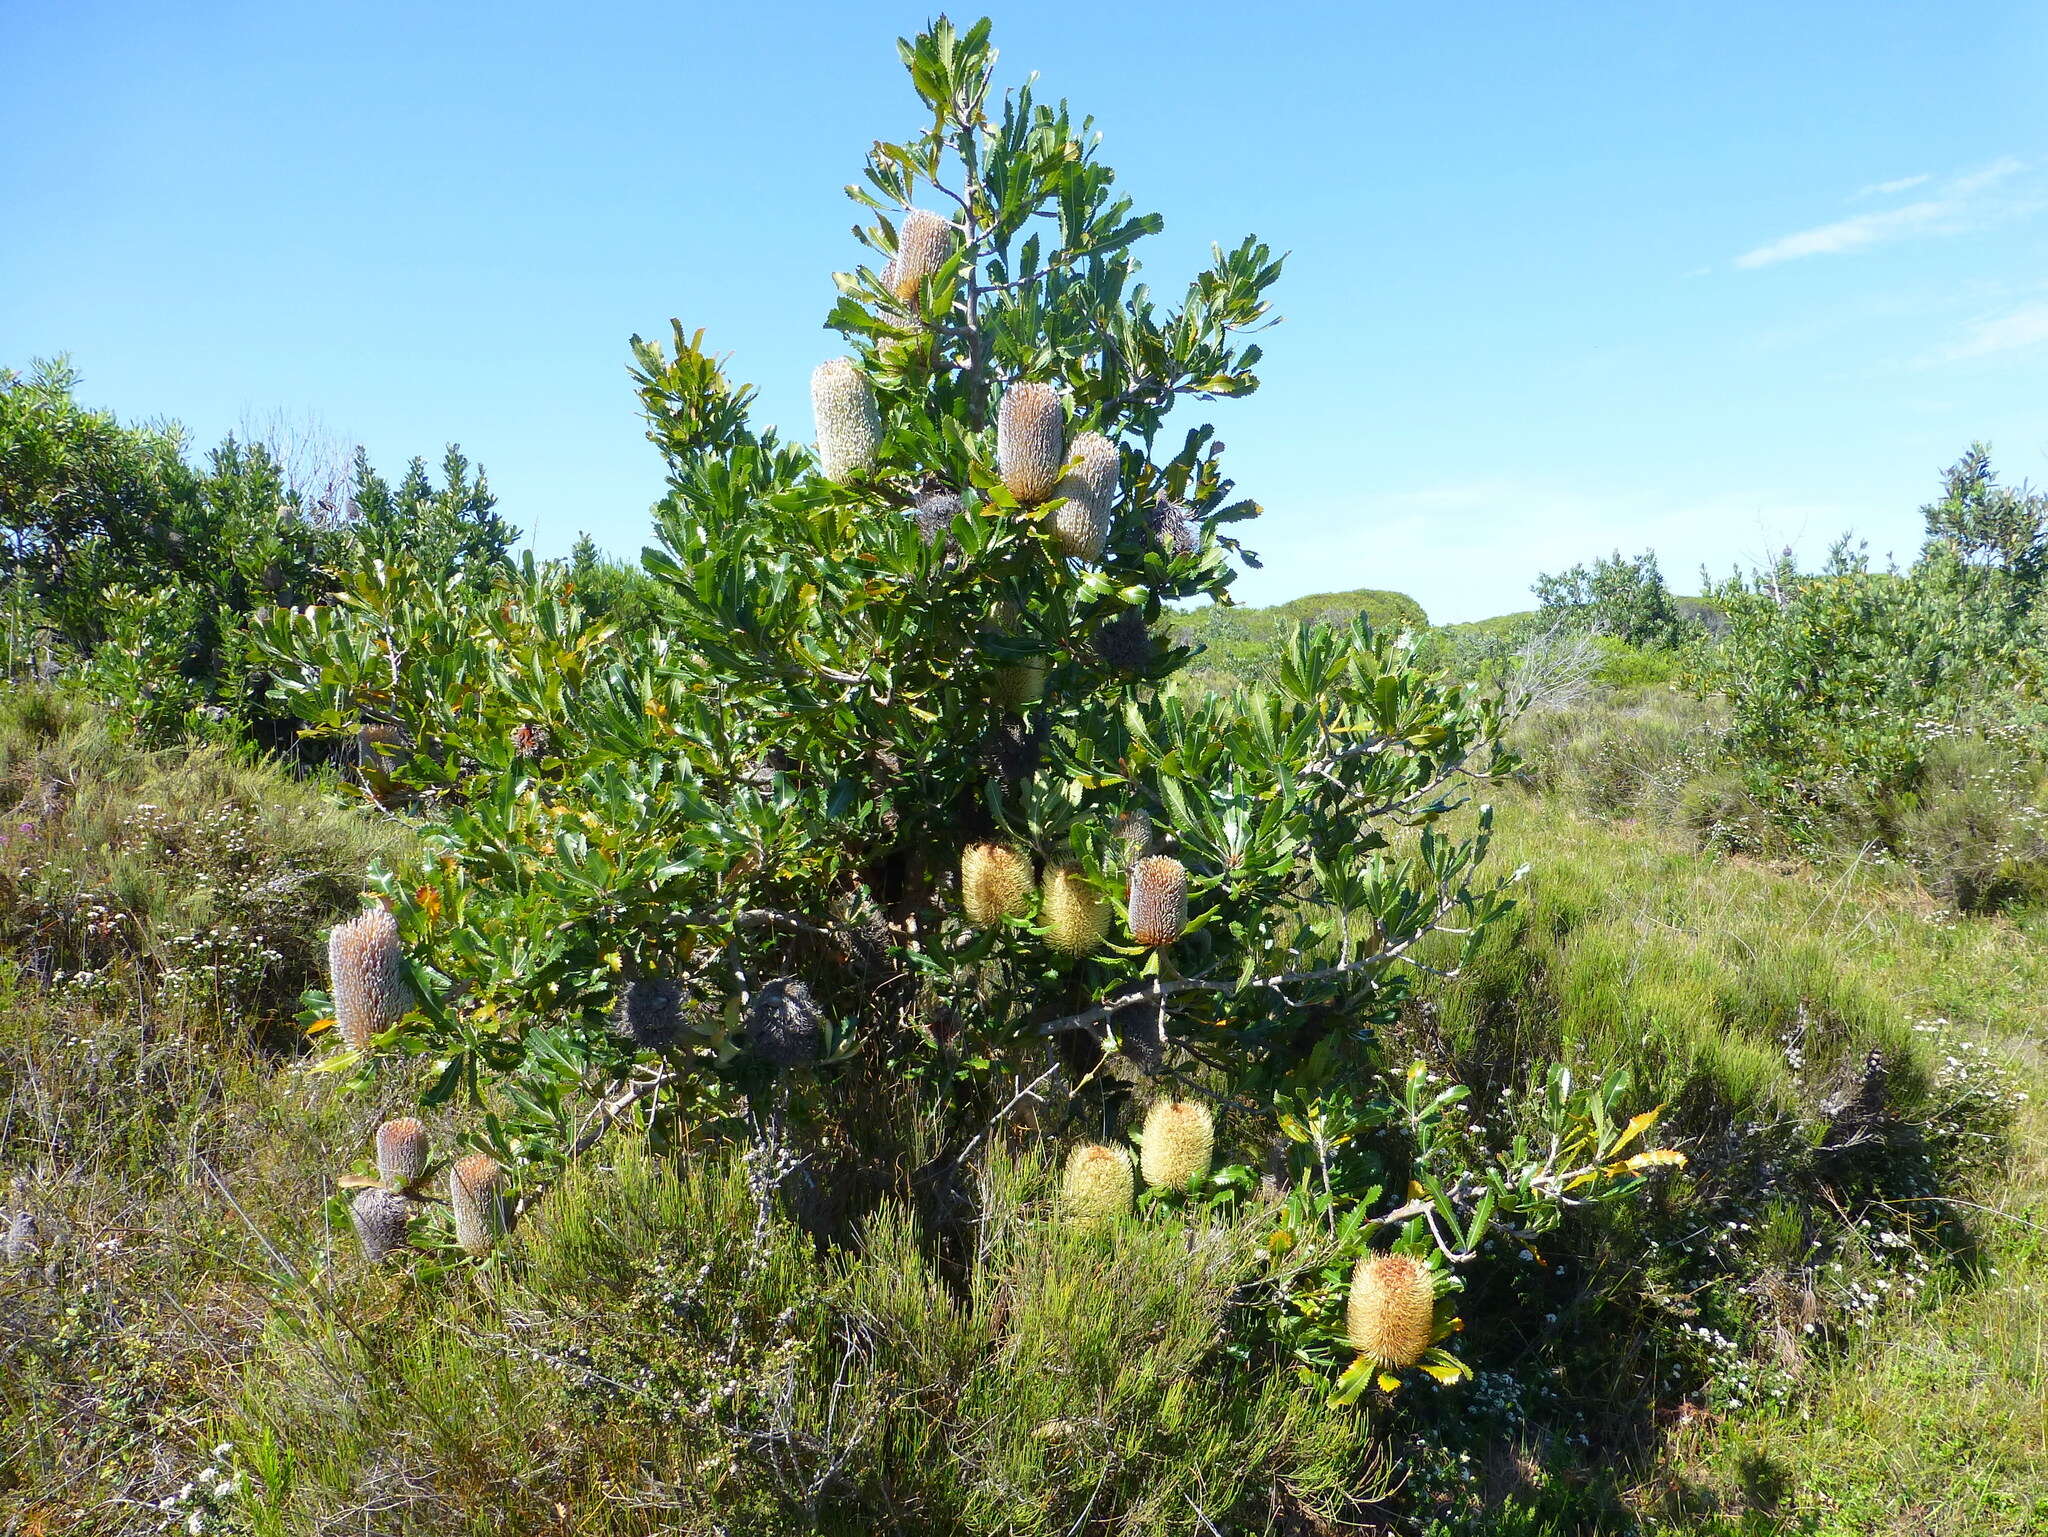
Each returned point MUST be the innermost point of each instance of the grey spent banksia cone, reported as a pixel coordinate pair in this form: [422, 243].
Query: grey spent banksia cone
[1080, 526]
[380, 1218]
[1173, 528]
[1180, 1140]
[849, 422]
[1158, 900]
[1391, 1313]
[995, 883]
[1097, 1186]
[1135, 836]
[402, 1149]
[1125, 642]
[1031, 441]
[923, 242]
[935, 514]
[1074, 914]
[649, 1013]
[475, 1195]
[366, 969]
[784, 1025]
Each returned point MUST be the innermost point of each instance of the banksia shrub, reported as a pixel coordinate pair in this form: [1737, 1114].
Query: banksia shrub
[995, 883]
[1074, 913]
[784, 1025]
[1180, 1139]
[923, 243]
[649, 1013]
[1159, 900]
[475, 1194]
[380, 1218]
[1016, 686]
[849, 423]
[1031, 441]
[1081, 526]
[367, 973]
[1390, 1316]
[1097, 1187]
[401, 1152]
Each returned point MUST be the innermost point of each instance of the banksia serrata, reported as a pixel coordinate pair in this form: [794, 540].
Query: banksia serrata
[1074, 914]
[366, 970]
[1180, 1139]
[1125, 642]
[380, 1218]
[995, 883]
[649, 1013]
[1158, 900]
[1016, 686]
[1031, 441]
[784, 1025]
[923, 242]
[476, 1195]
[1081, 525]
[1097, 1187]
[849, 423]
[1392, 1310]
[402, 1149]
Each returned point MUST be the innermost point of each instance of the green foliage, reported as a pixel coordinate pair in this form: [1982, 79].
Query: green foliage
[1623, 598]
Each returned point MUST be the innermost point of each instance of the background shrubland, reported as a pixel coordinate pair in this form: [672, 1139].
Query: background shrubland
[1755, 890]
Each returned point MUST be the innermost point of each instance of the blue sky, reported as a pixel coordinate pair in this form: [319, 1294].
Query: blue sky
[1711, 278]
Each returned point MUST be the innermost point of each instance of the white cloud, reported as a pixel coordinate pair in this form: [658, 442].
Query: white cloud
[1888, 188]
[1957, 206]
[1850, 234]
[2023, 327]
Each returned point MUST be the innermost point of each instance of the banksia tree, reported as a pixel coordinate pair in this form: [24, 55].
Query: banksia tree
[1080, 525]
[380, 1218]
[1031, 441]
[1074, 914]
[366, 971]
[1179, 1141]
[849, 425]
[476, 1196]
[1097, 1186]
[1158, 900]
[995, 883]
[1390, 1315]
[402, 1150]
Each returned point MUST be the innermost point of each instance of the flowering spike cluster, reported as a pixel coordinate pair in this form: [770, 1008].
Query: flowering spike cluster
[1074, 913]
[1081, 525]
[1016, 686]
[1180, 1140]
[849, 422]
[1097, 1187]
[784, 1025]
[401, 1152]
[995, 883]
[1031, 441]
[1158, 900]
[922, 246]
[366, 968]
[380, 1217]
[1392, 1309]
[475, 1190]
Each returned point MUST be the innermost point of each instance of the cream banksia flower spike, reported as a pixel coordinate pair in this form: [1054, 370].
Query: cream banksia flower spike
[380, 1217]
[1180, 1141]
[402, 1150]
[1074, 914]
[1097, 1187]
[1031, 441]
[995, 883]
[1081, 526]
[366, 969]
[1158, 900]
[923, 243]
[475, 1194]
[849, 422]
[1391, 1315]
